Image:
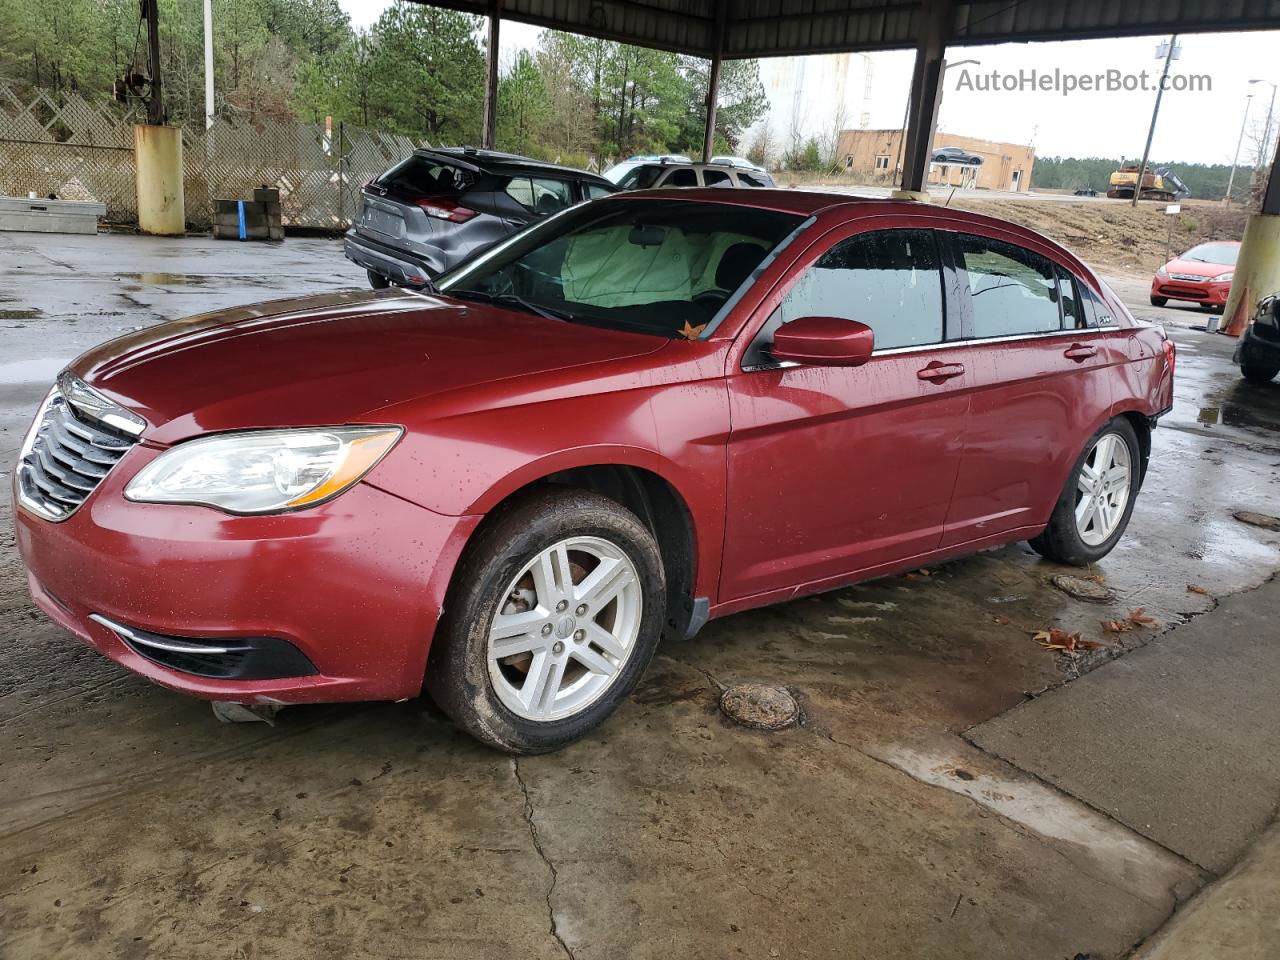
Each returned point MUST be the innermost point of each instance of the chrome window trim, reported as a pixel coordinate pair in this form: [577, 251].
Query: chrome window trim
[950, 345]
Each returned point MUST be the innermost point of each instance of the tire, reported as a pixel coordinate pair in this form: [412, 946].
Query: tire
[1063, 540]
[1258, 374]
[377, 280]
[1159, 301]
[483, 692]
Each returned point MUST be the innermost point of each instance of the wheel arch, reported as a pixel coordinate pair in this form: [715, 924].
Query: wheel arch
[633, 482]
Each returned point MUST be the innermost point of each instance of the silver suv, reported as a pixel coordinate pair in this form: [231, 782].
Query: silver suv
[437, 207]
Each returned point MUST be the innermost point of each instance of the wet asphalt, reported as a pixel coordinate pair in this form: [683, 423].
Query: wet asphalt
[132, 824]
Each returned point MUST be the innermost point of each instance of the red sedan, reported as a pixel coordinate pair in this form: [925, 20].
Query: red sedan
[1202, 275]
[646, 411]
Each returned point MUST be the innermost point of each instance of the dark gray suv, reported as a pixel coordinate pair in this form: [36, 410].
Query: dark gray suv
[438, 207]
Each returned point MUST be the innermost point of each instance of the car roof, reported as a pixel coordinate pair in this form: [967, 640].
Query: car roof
[496, 161]
[813, 203]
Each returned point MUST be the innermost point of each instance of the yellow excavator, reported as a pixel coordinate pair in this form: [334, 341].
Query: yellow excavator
[1157, 184]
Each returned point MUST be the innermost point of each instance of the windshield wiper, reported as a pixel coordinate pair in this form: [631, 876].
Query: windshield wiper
[545, 312]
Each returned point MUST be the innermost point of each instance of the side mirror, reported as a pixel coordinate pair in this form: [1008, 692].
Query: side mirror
[824, 342]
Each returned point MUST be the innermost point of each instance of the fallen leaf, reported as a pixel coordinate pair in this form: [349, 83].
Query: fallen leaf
[1196, 588]
[1116, 626]
[1139, 618]
[691, 333]
[911, 576]
[1096, 578]
[924, 572]
[1056, 639]
[1003, 621]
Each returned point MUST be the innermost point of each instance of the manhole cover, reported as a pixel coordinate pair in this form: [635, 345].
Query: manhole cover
[759, 706]
[1262, 520]
[1088, 590]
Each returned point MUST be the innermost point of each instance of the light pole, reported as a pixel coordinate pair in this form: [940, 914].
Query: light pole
[1173, 51]
[1266, 130]
[1248, 101]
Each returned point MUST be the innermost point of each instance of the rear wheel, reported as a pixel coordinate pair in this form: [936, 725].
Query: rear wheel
[1158, 301]
[1256, 373]
[554, 614]
[1094, 508]
[377, 280]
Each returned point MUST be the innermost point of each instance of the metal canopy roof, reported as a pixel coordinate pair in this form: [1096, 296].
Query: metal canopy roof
[767, 28]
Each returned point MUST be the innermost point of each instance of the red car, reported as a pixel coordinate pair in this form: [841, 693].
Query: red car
[1201, 275]
[646, 411]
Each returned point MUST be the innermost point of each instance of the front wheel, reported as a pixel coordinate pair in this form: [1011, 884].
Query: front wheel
[1094, 508]
[1256, 373]
[1158, 301]
[554, 614]
[377, 280]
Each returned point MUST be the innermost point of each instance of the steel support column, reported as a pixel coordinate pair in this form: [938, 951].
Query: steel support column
[926, 93]
[1257, 272]
[713, 82]
[489, 135]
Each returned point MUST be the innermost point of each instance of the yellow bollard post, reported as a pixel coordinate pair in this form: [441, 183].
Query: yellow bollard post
[157, 155]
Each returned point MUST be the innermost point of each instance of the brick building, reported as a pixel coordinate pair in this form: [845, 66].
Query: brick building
[875, 155]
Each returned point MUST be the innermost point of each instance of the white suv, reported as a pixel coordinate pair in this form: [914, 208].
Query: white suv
[645, 176]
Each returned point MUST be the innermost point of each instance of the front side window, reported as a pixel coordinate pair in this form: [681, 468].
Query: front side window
[1012, 290]
[650, 266]
[890, 280]
[595, 190]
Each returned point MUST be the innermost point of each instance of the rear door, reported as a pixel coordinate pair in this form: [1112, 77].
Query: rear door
[1039, 382]
[837, 470]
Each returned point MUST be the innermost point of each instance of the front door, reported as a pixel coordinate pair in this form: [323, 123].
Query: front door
[836, 470]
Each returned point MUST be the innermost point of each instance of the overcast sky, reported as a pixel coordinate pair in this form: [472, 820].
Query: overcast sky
[1195, 125]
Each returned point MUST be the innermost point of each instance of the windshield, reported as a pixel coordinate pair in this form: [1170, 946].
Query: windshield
[1224, 253]
[655, 266]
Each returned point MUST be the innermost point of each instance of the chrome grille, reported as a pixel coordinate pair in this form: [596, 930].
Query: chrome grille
[66, 456]
[1188, 277]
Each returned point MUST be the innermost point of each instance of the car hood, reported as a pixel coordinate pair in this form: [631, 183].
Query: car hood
[331, 359]
[1196, 268]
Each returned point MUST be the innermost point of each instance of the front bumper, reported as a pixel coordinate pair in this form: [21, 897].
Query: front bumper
[1210, 294]
[397, 266]
[355, 585]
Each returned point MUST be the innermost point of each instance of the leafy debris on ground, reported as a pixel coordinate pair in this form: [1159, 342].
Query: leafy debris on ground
[1196, 588]
[1057, 639]
[1136, 618]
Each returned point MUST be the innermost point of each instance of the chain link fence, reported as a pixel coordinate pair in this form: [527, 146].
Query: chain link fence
[76, 149]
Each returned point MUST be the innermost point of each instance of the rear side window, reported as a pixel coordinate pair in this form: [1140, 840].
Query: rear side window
[541, 195]
[641, 178]
[681, 178]
[1096, 311]
[890, 280]
[716, 178]
[595, 190]
[1012, 290]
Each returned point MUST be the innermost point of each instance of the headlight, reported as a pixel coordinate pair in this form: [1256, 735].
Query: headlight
[1225, 277]
[1162, 272]
[263, 471]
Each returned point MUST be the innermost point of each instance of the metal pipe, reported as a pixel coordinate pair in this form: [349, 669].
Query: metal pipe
[208, 64]
[489, 135]
[1248, 101]
[1155, 112]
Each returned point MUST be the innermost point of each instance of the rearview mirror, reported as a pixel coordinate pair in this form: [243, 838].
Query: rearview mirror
[824, 342]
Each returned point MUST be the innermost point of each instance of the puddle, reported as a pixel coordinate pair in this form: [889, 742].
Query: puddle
[166, 279]
[35, 370]
[30, 314]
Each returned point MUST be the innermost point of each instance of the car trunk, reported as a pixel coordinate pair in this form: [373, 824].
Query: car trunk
[432, 182]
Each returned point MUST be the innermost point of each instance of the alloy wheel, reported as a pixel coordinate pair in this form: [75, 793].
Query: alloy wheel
[566, 627]
[1102, 489]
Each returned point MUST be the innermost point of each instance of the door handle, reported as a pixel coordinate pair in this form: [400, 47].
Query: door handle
[938, 372]
[1079, 352]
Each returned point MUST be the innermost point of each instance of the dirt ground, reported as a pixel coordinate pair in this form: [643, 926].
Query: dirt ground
[132, 824]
